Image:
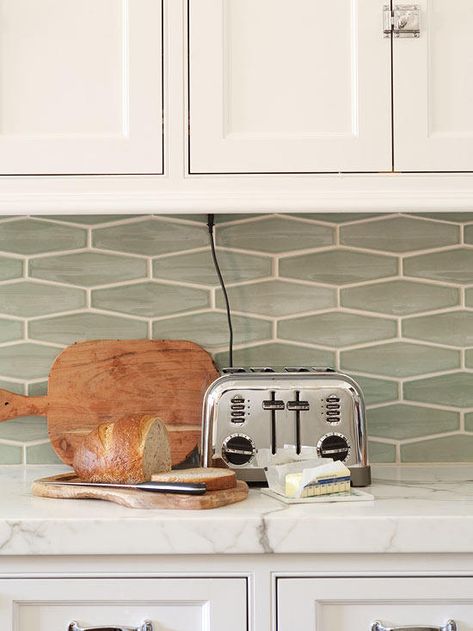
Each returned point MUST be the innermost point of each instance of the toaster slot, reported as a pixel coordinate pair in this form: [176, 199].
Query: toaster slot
[273, 405]
[298, 406]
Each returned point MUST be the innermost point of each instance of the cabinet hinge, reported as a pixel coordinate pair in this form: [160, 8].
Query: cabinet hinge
[401, 21]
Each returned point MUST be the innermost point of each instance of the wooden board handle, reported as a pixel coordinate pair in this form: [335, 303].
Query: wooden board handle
[13, 405]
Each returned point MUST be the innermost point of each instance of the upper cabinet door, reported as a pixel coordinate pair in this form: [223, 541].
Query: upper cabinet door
[433, 90]
[80, 86]
[289, 87]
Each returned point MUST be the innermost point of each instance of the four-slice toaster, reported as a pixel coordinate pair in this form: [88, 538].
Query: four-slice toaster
[248, 409]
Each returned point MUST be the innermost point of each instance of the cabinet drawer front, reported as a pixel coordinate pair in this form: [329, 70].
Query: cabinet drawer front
[201, 604]
[333, 604]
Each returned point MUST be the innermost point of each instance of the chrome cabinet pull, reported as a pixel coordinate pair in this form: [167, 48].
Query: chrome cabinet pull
[146, 625]
[451, 625]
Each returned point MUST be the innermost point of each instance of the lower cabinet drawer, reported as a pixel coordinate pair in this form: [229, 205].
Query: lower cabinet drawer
[184, 604]
[355, 604]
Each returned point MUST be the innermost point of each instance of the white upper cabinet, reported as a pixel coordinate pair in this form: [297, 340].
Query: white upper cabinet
[433, 90]
[291, 87]
[80, 86]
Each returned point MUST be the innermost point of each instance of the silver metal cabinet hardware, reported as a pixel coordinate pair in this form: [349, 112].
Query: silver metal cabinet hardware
[402, 21]
[449, 626]
[146, 625]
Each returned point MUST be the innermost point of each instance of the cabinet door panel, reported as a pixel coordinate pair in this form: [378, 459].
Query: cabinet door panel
[80, 86]
[433, 90]
[173, 604]
[278, 86]
[354, 604]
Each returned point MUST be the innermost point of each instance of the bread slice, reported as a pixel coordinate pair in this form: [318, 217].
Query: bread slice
[126, 452]
[215, 479]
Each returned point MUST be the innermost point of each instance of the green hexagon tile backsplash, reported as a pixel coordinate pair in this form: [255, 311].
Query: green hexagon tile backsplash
[386, 298]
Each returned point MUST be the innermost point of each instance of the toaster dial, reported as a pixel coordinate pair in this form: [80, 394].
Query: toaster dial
[238, 449]
[333, 445]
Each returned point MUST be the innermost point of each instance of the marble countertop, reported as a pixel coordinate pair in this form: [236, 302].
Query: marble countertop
[417, 510]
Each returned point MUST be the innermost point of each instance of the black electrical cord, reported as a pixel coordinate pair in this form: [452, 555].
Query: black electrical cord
[210, 225]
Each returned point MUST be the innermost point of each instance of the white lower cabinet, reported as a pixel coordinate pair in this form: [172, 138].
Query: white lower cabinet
[355, 604]
[110, 604]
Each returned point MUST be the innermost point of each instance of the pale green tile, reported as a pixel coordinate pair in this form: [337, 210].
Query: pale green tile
[26, 361]
[400, 359]
[451, 266]
[338, 267]
[399, 234]
[399, 297]
[26, 299]
[41, 454]
[469, 358]
[381, 452]
[210, 329]
[337, 218]
[458, 448]
[12, 386]
[39, 388]
[10, 330]
[276, 354]
[336, 329]
[278, 298]
[455, 389]
[24, 429]
[10, 268]
[32, 236]
[218, 217]
[86, 326]
[455, 217]
[453, 329]
[469, 422]
[89, 220]
[10, 454]
[88, 268]
[469, 297]
[402, 421]
[198, 267]
[275, 234]
[377, 390]
[150, 299]
[469, 234]
[151, 237]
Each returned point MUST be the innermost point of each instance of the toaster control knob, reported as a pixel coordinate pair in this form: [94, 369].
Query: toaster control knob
[238, 449]
[333, 446]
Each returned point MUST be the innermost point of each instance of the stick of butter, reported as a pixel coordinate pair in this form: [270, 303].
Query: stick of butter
[326, 479]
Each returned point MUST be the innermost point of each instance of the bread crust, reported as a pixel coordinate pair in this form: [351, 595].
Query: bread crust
[216, 479]
[115, 452]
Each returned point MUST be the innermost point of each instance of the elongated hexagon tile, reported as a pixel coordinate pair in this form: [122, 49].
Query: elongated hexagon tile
[377, 390]
[402, 421]
[278, 298]
[336, 329]
[10, 268]
[469, 297]
[25, 429]
[454, 389]
[469, 422]
[453, 329]
[454, 217]
[26, 360]
[337, 218]
[37, 388]
[89, 220]
[400, 359]
[10, 330]
[11, 454]
[41, 454]
[198, 267]
[457, 448]
[381, 452]
[210, 329]
[399, 234]
[275, 234]
[469, 358]
[277, 354]
[12, 386]
[27, 298]
[88, 268]
[469, 233]
[338, 267]
[150, 299]
[399, 297]
[31, 236]
[451, 266]
[151, 237]
[86, 326]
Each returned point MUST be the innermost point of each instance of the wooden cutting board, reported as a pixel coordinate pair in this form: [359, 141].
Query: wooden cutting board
[100, 381]
[139, 499]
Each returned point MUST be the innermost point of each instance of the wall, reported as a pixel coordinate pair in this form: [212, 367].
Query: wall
[386, 298]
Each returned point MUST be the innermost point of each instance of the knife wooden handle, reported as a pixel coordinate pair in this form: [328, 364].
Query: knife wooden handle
[13, 405]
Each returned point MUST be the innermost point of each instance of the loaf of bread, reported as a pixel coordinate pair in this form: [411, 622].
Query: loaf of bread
[126, 452]
[215, 479]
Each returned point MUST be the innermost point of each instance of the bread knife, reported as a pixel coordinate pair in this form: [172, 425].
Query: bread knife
[154, 487]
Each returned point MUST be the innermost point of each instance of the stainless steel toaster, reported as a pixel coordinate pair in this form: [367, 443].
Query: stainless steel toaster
[247, 409]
